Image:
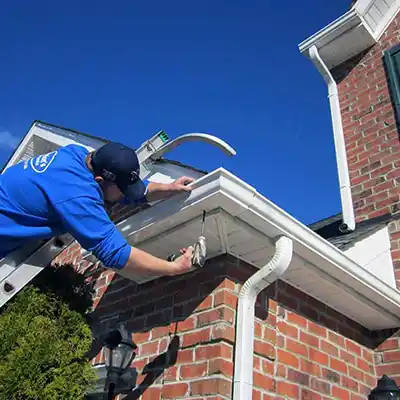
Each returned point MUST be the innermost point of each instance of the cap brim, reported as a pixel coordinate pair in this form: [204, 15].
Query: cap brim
[135, 191]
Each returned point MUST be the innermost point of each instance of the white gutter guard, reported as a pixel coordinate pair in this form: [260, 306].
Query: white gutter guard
[244, 348]
[242, 222]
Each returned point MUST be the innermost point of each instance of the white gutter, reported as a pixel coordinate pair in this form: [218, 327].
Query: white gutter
[243, 376]
[340, 147]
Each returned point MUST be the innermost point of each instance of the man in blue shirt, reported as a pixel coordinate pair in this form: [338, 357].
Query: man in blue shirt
[66, 190]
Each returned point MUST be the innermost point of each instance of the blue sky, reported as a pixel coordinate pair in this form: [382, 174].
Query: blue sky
[123, 70]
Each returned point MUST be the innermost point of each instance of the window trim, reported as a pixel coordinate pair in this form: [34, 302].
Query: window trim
[393, 79]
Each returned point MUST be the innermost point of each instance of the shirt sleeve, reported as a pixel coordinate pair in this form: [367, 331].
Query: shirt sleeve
[87, 221]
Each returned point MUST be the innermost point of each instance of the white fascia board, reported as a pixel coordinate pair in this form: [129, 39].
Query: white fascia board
[329, 33]
[356, 30]
[342, 39]
[220, 190]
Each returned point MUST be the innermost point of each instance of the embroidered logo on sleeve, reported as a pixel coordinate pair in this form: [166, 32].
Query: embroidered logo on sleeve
[41, 163]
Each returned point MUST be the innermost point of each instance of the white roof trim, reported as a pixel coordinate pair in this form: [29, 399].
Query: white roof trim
[353, 32]
[357, 293]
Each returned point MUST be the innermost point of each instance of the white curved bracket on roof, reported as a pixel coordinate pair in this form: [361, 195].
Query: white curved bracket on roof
[194, 137]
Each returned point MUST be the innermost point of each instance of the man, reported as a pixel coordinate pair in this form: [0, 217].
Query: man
[66, 191]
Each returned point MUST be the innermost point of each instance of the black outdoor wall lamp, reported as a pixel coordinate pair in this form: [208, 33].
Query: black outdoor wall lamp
[385, 390]
[119, 352]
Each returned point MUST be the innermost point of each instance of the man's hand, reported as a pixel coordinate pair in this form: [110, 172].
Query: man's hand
[158, 191]
[183, 263]
[144, 264]
[180, 184]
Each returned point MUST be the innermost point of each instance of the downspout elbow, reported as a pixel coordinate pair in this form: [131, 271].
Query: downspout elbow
[243, 375]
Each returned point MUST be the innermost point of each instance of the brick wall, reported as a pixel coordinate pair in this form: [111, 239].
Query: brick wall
[370, 131]
[373, 152]
[186, 334]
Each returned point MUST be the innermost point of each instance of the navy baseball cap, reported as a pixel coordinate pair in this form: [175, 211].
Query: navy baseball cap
[118, 163]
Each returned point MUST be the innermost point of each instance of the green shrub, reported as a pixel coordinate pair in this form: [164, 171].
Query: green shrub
[45, 339]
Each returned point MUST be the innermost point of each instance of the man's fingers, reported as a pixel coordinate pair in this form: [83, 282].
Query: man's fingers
[185, 180]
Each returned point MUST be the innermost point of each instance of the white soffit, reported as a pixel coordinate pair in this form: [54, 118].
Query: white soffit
[242, 222]
[353, 32]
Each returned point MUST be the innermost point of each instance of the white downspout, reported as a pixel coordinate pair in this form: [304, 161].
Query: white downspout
[243, 376]
[341, 157]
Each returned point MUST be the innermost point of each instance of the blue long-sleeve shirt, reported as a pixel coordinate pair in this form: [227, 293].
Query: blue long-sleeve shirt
[54, 194]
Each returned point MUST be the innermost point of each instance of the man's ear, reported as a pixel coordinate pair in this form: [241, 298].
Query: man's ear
[99, 179]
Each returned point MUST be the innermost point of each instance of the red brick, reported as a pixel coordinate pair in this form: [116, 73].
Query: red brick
[388, 369]
[287, 358]
[223, 332]
[211, 386]
[363, 365]
[287, 390]
[227, 284]
[152, 393]
[200, 336]
[263, 382]
[357, 397]
[205, 304]
[349, 383]
[356, 374]
[148, 349]
[264, 348]
[354, 348]
[213, 351]
[317, 329]
[318, 356]
[309, 339]
[140, 337]
[331, 376]
[309, 395]
[159, 331]
[186, 325]
[256, 363]
[185, 356]
[225, 297]
[338, 365]
[269, 334]
[310, 367]
[174, 390]
[334, 337]
[370, 380]
[220, 366]
[281, 371]
[163, 345]
[296, 347]
[193, 371]
[340, 393]
[329, 348]
[171, 374]
[256, 395]
[267, 367]
[215, 316]
[320, 386]
[390, 356]
[257, 329]
[347, 357]
[297, 319]
[298, 377]
[287, 329]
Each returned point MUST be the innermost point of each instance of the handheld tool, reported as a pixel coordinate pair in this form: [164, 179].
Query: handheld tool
[199, 248]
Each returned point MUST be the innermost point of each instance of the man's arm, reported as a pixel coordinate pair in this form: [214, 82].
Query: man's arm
[86, 220]
[158, 191]
[144, 264]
